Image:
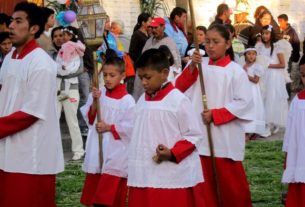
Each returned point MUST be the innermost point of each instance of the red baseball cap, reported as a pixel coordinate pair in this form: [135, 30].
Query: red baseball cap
[157, 21]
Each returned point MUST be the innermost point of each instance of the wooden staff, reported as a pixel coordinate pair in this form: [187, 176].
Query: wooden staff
[205, 106]
[98, 110]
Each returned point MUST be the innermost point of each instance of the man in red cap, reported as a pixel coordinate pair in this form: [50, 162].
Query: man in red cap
[159, 37]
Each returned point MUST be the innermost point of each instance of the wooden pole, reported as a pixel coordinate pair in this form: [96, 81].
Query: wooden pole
[98, 110]
[205, 106]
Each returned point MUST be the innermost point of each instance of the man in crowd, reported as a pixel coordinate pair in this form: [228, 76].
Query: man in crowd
[30, 143]
[290, 35]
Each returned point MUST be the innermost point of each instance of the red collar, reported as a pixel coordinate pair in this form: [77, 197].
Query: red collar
[159, 95]
[118, 92]
[301, 95]
[29, 47]
[223, 62]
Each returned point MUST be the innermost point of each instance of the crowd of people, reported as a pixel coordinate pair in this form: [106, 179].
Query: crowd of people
[149, 138]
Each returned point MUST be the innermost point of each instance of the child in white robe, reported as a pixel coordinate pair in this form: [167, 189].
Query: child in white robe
[294, 142]
[255, 71]
[276, 96]
[164, 166]
[107, 185]
[230, 107]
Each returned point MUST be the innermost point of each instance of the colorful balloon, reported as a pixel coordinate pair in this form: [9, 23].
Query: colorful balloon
[69, 16]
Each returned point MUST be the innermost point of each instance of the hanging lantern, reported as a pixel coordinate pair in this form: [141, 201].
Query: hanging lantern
[91, 19]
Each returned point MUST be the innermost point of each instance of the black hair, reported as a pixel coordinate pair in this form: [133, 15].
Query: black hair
[177, 11]
[223, 31]
[34, 14]
[4, 36]
[168, 54]
[202, 28]
[221, 9]
[47, 13]
[283, 16]
[143, 17]
[302, 61]
[53, 33]
[111, 58]
[231, 29]
[273, 38]
[73, 31]
[5, 19]
[155, 59]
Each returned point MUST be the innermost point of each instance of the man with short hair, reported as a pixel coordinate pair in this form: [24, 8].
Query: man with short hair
[30, 143]
[174, 28]
[290, 35]
[223, 15]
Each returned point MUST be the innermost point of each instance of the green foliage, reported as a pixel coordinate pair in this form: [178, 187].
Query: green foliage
[152, 6]
[263, 164]
[242, 1]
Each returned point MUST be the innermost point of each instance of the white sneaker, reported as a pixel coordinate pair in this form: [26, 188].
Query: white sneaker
[275, 129]
[77, 157]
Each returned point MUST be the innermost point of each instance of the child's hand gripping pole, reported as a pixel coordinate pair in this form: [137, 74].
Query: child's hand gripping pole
[98, 110]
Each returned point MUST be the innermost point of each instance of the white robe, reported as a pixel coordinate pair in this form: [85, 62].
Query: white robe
[258, 125]
[29, 85]
[163, 122]
[294, 143]
[276, 96]
[225, 87]
[119, 112]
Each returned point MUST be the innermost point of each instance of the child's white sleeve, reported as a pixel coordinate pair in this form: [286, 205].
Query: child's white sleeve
[125, 125]
[85, 108]
[189, 123]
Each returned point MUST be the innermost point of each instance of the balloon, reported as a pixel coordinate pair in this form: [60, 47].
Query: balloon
[61, 1]
[60, 19]
[69, 16]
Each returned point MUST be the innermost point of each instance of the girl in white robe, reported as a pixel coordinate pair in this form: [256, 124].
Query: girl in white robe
[293, 146]
[255, 71]
[276, 96]
[107, 185]
[227, 89]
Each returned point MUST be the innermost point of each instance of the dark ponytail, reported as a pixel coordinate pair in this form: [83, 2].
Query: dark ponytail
[143, 17]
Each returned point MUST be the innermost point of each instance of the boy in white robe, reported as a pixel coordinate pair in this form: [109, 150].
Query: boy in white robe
[163, 165]
[30, 144]
[107, 185]
[293, 146]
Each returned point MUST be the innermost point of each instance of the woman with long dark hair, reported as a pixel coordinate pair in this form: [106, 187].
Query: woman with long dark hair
[139, 36]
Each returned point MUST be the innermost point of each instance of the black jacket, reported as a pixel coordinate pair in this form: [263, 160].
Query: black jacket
[291, 35]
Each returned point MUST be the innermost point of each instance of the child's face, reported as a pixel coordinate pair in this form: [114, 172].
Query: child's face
[250, 56]
[200, 36]
[152, 80]
[112, 76]
[216, 45]
[6, 46]
[302, 71]
[67, 36]
[266, 35]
